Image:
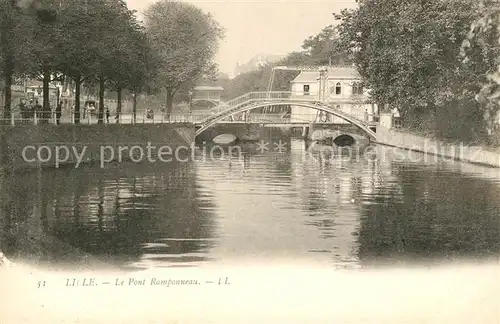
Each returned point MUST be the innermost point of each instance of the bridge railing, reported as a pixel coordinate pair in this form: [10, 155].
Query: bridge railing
[306, 118]
[124, 119]
[196, 118]
[275, 96]
[261, 96]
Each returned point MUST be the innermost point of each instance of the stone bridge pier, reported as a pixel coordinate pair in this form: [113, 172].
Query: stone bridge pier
[341, 135]
[244, 132]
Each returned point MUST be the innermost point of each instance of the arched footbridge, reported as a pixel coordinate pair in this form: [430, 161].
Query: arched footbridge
[256, 100]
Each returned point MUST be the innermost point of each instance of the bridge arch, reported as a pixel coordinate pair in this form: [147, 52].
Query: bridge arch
[212, 120]
[344, 140]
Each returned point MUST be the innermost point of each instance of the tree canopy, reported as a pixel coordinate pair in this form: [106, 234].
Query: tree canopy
[408, 54]
[481, 54]
[100, 43]
[185, 41]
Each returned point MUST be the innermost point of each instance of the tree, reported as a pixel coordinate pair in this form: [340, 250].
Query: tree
[15, 38]
[45, 47]
[407, 52]
[325, 48]
[113, 20]
[78, 59]
[481, 54]
[123, 55]
[185, 41]
[142, 67]
[101, 53]
[7, 26]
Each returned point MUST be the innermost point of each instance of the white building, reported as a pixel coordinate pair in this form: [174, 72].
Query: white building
[305, 84]
[343, 90]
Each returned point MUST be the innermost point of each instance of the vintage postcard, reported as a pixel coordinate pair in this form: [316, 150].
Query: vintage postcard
[205, 161]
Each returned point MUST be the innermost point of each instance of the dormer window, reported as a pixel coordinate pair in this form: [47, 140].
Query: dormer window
[338, 89]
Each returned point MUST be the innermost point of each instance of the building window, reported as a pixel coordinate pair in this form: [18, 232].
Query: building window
[338, 88]
[357, 89]
[306, 89]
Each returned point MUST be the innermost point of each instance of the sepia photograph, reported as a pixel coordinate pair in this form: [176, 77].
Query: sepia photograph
[249, 161]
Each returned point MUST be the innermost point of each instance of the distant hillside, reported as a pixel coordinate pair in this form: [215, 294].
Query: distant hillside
[256, 62]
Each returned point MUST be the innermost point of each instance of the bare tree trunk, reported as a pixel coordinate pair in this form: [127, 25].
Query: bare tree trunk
[169, 102]
[134, 106]
[8, 57]
[46, 97]
[100, 115]
[9, 71]
[78, 86]
[119, 103]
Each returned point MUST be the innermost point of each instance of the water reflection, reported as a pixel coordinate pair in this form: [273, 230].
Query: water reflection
[436, 216]
[127, 216]
[303, 204]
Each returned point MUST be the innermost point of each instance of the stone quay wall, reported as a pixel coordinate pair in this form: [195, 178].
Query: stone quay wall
[459, 151]
[30, 146]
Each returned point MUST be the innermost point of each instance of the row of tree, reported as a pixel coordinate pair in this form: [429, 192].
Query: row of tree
[101, 42]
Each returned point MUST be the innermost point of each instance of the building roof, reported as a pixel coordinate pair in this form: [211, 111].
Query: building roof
[343, 72]
[334, 72]
[209, 88]
[306, 76]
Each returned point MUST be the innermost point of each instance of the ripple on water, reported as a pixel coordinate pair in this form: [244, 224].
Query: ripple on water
[347, 213]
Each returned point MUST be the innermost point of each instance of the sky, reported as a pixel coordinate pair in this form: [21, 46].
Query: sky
[260, 26]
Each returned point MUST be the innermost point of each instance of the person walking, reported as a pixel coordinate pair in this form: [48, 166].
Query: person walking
[22, 109]
[58, 112]
[107, 115]
[30, 109]
[37, 109]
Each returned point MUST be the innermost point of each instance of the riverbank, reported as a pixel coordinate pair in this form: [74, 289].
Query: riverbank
[458, 151]
[28, 146]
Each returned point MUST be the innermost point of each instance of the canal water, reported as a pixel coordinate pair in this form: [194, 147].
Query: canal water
[305, 204]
